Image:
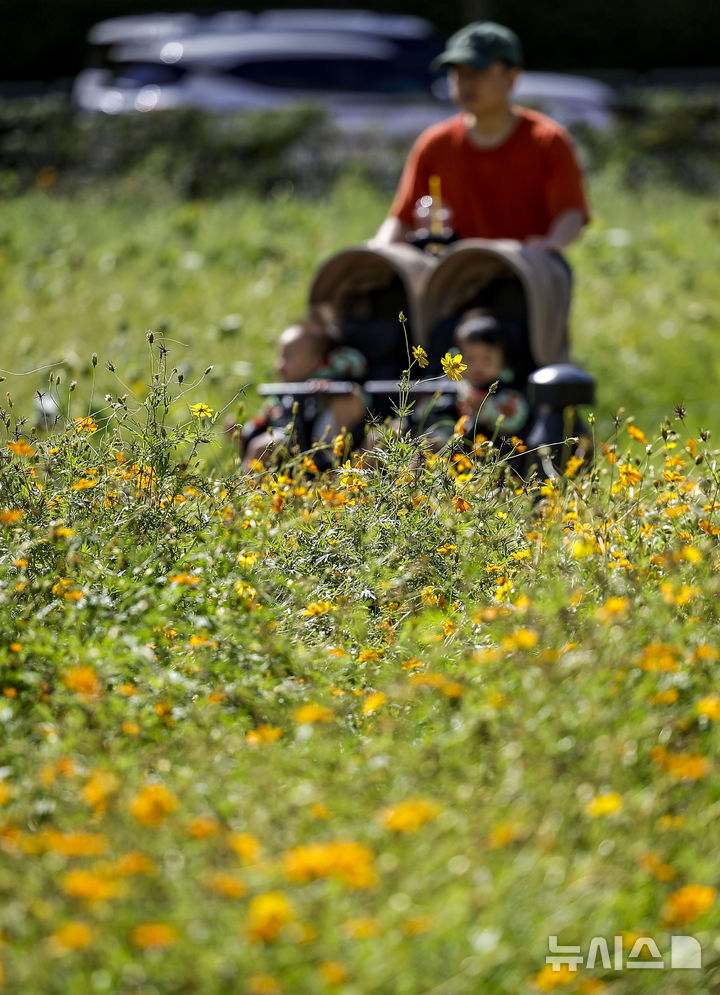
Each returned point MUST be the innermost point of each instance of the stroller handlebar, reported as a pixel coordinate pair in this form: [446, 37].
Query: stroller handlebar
[307, 388]
[439, 385]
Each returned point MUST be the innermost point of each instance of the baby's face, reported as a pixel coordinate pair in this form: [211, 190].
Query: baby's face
[484, 362]
[298, 355]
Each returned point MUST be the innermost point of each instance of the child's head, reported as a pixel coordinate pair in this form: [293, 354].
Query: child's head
[302, 347]
[483, 341]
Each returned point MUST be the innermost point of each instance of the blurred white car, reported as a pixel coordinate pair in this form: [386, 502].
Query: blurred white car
[369, 71]
[569, 99]
[362, 81]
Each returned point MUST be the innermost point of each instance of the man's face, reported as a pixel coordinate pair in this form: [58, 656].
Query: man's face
[482, 91]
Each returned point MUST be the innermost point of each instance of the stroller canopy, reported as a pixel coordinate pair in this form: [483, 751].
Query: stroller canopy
[374, 282]
[506, 278]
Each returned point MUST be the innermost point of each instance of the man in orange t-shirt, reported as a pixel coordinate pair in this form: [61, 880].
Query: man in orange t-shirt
[505, 172]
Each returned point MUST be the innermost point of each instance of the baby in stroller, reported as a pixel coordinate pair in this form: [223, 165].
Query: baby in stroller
[491, 346]
[308, 350]
[488, 345]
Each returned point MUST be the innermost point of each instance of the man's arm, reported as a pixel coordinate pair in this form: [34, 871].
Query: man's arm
[391, 230]
[564, 230]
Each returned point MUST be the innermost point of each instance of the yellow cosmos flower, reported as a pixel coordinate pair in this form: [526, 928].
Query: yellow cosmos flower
[226, 883]
[372, 656]
[99, 786]
[318, 608]
[311, 713]
[71, 936]
[607, 804]
[548, 979]
[89, 886]
[637, 434]
[85, 425]
[681, 766]
[201, 410]
[361, 928]
[453, 366]
[263, 734]
[267, 914]
[350, 863]
[75, 844]
[246, 846]
[410, 815]
[184, 578]
[333, 972]
[420, 356]
[653, 865]
[629, 475]
[373, 702]
[263, 984]
[710, 707]
[132, 863]
[203, 826]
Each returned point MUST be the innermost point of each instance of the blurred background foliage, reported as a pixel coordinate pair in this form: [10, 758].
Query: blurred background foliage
[670, 137]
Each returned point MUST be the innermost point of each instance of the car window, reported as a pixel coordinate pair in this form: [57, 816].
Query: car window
[326, 74]
[133, 74]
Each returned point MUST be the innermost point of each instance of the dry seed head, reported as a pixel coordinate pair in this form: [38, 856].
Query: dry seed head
[94, 360]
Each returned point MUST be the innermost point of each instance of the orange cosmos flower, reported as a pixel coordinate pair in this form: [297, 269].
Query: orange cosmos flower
[82, 680]
[410, 815]
[89, 886]
[152, 804]
[687, 904]
[71, 936]
[153, 934]
[21, 448]
[246, 846]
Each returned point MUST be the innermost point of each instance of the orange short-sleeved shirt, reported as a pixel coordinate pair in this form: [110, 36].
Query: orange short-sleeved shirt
[512, 191]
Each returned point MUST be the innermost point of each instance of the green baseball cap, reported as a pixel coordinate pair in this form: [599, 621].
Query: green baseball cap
[479, 45]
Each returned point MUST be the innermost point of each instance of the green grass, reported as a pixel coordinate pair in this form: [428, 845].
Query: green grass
[222, 278]
[383, 731]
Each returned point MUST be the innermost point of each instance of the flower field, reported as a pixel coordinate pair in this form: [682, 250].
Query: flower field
[387, 730]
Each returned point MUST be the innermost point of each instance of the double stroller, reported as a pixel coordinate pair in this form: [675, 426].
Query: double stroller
[367, 290]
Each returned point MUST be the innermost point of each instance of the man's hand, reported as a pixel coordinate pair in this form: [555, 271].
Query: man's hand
[541, 242]
[390, 231]
[564, 230]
